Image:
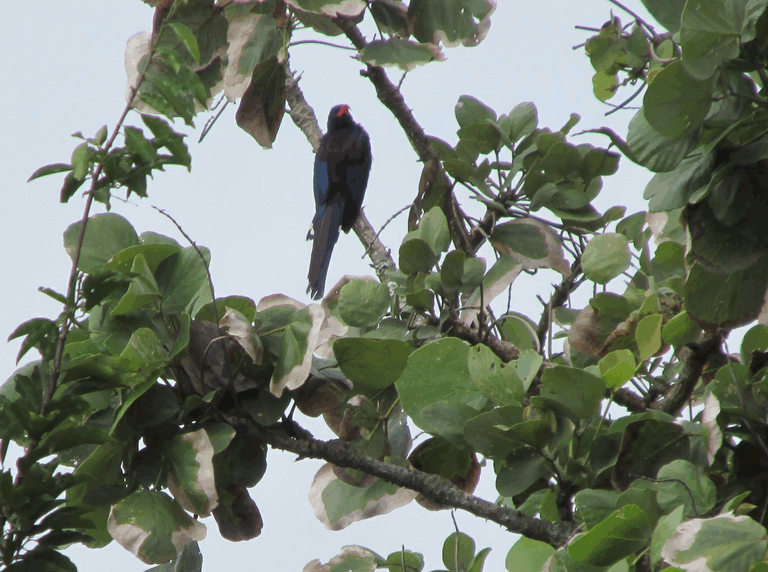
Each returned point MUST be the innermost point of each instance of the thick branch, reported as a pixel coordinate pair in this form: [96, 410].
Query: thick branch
[681, 391]
[435, 488]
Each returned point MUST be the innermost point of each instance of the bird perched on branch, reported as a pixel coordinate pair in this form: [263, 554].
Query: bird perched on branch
[342, 164]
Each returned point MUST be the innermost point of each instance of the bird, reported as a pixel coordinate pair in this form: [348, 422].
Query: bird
[342, 164]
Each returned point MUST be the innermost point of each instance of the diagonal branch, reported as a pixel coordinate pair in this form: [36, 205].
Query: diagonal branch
[437, 489]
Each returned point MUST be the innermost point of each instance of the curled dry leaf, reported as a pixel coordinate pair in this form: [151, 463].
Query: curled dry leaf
[241, 331]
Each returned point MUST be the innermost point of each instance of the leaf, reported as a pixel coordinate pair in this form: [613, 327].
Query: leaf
[682, 483]
[675, 103]
[461, 545]
[605, 257]
[332, 8]
[451, 22]
[648, 335]
[491, 377]
[50, 170]
[183, 280]
[416, 256]
[617, 368]
[573, 391]
[723, 543]
[105, 235]
[191, 478]
[711, 32]
[337, 504]
[621, 534]
[528, 555]
[594, 505]
[363, 302]
[151, 526]
[437, 375]
[653, 150]
[374, 364]
[400, 53]
[470, 111]
[188, 38]
[521, 469]
[666, 12]
[262, 107]
[532, 243]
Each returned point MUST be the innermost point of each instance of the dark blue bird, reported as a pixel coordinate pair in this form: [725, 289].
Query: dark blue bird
[342, 164]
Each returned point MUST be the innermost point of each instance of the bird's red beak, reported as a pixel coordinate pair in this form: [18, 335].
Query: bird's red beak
[342, 110]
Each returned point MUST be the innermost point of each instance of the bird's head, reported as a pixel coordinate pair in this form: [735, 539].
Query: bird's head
[339, 117]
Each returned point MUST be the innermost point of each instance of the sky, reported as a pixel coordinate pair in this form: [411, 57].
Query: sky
[63, 72]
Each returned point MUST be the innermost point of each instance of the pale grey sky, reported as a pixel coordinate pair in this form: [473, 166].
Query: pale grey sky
[63, 72]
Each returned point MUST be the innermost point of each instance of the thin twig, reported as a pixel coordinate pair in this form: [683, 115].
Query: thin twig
[389, 220]
[323, 43]
[199, 253]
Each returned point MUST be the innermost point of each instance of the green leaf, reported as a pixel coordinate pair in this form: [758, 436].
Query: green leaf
[606, 257]
[50, 170]
[330, 8]
[648, 335]
[105, 235]
[528, 555]
[668, 191]
[401, 53]
[666, 12]
[433, 229]
[416, 256]
[594, 506]
[470, 110]
[617, 368]
[520, 331]
[724, 543]
[682, 483]
[461, 545]
[521, 121]
[437, 376]
[491, 377]
[621, 534]
[521, 468]
[363, 302]
[405, 561]
[488, 432]
[150, 525]
[675, 103]
[680, 330]
[183, 280]
[573, 391]
[604, 85]
[373, 364]
[712, 30]
[755, 339]
[137, 144]
[191, 478]
[653, 150]
[452, 22]
[188, 38]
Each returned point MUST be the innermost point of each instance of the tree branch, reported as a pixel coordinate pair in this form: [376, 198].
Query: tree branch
[698, 354]
[558, 298]
[437, 489]
[504, 350]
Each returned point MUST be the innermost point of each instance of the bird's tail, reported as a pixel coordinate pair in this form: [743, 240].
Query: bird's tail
[326, 233]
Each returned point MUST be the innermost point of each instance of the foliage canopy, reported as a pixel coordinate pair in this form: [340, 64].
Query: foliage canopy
[154, 402]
